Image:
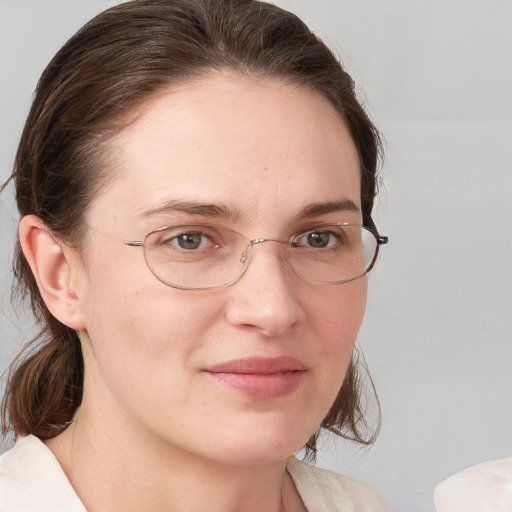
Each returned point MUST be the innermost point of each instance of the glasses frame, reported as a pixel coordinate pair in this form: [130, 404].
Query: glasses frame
[368, 225]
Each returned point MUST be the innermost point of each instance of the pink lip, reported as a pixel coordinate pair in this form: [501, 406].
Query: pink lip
[260, 378]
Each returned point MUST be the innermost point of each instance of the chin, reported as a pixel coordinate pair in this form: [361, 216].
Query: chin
[260, 446]
[257, 457]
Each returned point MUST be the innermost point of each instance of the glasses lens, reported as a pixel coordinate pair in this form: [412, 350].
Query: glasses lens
[199, 257]
[333, 254]
[195, 256]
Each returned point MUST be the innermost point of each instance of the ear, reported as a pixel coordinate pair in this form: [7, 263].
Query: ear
[53, 270]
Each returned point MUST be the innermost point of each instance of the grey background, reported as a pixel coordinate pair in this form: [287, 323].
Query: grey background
[437, 79]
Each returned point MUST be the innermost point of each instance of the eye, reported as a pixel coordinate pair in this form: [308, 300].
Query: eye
[186, 239]
[189, 241]
[320, 238]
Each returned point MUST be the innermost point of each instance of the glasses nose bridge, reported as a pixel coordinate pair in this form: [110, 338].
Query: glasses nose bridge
[246, 253]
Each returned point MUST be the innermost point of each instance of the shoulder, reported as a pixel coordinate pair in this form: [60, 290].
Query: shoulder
[322, 490]
[31, 480]
[486, 486]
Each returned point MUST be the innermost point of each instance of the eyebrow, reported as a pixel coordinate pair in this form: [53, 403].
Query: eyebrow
[224, 212]
[193, 208]
[314, 209]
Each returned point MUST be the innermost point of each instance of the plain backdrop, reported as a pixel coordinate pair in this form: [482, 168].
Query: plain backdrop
[436, 77]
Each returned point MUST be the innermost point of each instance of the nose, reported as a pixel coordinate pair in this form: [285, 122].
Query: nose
[266, 298]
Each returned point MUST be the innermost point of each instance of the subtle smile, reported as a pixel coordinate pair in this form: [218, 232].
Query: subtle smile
[260, 378]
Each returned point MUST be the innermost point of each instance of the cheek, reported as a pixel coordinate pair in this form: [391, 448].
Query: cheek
[337, 312]
[336, 319]
[150, 321]
[137, 325]
[145, 344]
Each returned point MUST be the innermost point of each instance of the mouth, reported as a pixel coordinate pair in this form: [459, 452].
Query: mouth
[260, 378]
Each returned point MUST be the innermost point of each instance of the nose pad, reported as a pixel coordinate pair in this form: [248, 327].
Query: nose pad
[245, 254]
[247, 251]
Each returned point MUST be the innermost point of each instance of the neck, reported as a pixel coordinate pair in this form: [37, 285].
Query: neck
[113, 470]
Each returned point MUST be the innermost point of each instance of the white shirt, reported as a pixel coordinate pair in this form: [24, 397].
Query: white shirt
[31, 480]
[486, 487]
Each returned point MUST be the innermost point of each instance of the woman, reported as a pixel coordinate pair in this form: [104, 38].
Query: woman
[193, 181]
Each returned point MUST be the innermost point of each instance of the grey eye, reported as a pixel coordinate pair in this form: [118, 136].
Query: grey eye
[189, 241]
[319, 239]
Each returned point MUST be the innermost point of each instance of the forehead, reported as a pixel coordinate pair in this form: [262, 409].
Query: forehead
[258, 146]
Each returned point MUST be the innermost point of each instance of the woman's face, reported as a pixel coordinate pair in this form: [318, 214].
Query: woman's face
[243, 374]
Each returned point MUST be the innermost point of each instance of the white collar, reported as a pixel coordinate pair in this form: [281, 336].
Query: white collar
[32, 480]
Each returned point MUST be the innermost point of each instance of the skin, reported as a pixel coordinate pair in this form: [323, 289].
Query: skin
[153, 423]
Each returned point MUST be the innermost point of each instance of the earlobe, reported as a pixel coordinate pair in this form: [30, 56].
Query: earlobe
[52, 271]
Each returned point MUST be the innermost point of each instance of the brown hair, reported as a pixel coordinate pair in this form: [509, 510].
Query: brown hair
[114, 64]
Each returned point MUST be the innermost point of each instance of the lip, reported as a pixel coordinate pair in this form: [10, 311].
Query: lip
[260, 378]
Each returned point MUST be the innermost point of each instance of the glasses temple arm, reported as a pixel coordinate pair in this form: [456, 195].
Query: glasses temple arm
[370, 225]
